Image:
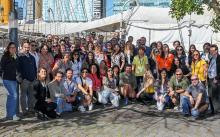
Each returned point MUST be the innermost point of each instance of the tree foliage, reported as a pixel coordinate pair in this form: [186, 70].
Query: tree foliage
[181, 8]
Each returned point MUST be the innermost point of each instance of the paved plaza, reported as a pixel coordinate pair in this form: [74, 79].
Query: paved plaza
[134, 120]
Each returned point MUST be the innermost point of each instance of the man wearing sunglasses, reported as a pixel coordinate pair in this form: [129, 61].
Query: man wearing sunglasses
[86, 93]
[195, 101]
[177, 86]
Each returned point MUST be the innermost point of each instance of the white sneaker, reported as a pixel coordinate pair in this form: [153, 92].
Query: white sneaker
[81, 109]
[15, 118]
[99, 97]
[90, 107]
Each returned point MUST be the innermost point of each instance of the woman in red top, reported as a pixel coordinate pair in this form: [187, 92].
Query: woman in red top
[95, 77]
[165, 60]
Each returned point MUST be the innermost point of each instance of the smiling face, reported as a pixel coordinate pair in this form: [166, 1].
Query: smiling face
[69, 74]
[179, 74]
[26, 47]
[176, 61]
[42, 74]
[196, 55]
[84, 73]
[12, 49]
[194, 80]
[163, 74]
[44, 49]
[93, 69]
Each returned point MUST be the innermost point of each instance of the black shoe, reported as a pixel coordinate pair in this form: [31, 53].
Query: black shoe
[42, 116]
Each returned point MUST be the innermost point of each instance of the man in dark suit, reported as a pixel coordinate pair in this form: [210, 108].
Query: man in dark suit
[214, 76]
[27, 73]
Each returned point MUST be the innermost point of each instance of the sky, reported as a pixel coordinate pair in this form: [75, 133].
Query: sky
[109, 7]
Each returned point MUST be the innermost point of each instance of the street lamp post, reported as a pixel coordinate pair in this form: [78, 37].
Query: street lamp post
[13, 25]
[122, 9]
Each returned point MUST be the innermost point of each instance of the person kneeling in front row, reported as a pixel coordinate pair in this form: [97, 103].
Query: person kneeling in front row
[110, 91]
[195, 101]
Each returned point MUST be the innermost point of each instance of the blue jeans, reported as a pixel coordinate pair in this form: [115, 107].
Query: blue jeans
[11, 104]
[62, 106]
[186, 106]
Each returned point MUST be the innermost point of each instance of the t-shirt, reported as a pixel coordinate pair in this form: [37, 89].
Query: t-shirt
[86, 83]
[76, 67]
[175, 84]
[70, 87]
[165, 62]
[140, 64]
[195, 90]
[198, 69]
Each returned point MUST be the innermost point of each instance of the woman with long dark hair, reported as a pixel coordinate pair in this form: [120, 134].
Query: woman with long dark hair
[165, 59]
[8, 69]
[180, 53]
[95, 77]
[118, 57]
[110, 90]
[177, 65]
[90, 59]
[46, 59]
[44, 106]
[77, 63]
[161, 91]
[192, 48]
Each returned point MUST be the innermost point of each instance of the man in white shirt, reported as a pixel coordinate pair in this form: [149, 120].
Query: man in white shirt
[34, 53]
[85, 89]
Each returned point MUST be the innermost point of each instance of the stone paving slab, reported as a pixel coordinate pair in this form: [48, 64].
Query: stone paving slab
[134, 120]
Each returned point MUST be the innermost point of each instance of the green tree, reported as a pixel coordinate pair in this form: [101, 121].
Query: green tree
[181, 8]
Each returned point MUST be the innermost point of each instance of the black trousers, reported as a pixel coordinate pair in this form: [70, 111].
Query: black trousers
[214, 94]
[46, 108]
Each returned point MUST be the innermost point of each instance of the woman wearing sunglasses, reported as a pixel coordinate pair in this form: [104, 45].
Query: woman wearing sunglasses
[199, 67]
[110, 90]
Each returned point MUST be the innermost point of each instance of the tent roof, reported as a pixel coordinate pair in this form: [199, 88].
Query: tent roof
[154, 17]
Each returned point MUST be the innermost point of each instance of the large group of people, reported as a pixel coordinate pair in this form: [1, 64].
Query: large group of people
[57, 75]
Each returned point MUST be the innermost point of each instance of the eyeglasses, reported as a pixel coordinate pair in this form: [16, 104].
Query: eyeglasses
[194, 79]
[156, 51]
[178, 74]
[179, 49]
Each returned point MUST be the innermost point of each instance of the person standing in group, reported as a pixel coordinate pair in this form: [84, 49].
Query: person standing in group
[8, 70]
[34, 53]
[214, 77]
[199, 67]
[27, 73]
[140, 65]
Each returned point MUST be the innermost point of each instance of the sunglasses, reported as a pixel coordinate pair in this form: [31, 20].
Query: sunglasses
[195, 54]
[179, 49]
[85, 72]
[194, 79]
[76, 54]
